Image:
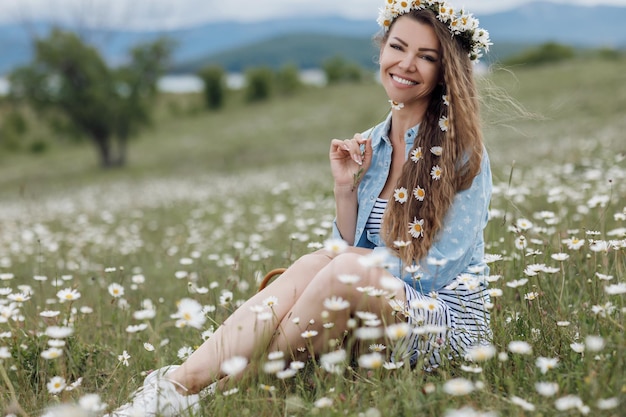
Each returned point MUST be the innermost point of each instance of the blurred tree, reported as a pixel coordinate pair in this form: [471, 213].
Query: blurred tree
[338, 70]
[288, 79]
[214, 79]
[69, 78]
[259, 83]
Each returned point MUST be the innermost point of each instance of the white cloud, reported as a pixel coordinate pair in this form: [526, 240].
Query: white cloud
[167, 14]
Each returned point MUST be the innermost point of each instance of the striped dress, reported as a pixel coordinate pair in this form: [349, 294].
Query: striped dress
[443, 324]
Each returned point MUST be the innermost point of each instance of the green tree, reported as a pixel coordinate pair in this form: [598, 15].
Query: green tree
[259, 84]
[214, 80]
[288, 79]
[338, 70]
[69, 78]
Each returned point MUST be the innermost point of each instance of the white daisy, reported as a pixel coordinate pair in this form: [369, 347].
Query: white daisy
[400, 195]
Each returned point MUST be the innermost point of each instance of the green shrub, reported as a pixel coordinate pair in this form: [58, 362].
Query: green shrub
[259, 84]
[214, 79]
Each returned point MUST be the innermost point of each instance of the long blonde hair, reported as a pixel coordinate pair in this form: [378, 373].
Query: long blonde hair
[462, 145]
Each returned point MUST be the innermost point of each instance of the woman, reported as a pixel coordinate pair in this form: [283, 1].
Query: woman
[426, 169]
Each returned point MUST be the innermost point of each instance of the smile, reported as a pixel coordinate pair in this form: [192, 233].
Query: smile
[403, 80]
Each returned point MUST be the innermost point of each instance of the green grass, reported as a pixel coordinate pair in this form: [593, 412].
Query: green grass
[247, 189]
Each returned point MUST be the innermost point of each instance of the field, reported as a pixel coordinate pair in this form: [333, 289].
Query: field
[211, 201]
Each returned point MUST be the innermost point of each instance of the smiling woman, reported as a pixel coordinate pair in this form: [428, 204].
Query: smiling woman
[425, 212]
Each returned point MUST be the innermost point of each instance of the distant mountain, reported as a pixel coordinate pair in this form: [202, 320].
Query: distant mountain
[321, 38]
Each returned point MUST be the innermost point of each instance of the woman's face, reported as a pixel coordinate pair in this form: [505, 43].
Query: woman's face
[410, 62]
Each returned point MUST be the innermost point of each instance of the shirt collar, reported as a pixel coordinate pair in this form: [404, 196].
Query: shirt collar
[409, 135]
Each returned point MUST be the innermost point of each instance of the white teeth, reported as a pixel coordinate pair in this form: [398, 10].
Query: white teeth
[402, 80]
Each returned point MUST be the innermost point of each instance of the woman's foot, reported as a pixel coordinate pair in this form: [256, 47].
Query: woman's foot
[159, 396]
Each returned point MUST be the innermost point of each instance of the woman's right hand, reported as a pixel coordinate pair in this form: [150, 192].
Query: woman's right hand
[350, 159]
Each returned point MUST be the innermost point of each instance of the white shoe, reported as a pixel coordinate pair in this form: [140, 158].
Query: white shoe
[158, 397]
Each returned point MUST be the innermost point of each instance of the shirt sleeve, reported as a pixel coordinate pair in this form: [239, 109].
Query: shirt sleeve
[461, 233]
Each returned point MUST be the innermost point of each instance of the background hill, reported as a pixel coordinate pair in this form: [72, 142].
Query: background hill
[307, 42]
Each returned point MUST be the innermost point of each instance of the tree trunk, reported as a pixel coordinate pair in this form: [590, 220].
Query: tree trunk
[103, 146]
[122, 141]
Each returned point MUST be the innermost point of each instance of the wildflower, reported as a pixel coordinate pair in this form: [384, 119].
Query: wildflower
[148, 346]
[594, 343]
[56, 385]
[523, 403]
[521, 242]
[416, 228]
[184, 352]
[397, 331]
[234, 365]
[368, 333]
[335, 246]
[436, 150]
[49, 313]
[436, 172]
[270, 301]
[559, 256]
[68, 294]
[445, 99]
[577, 347]
[523, 224]
[545, 364]
[189, 314]
[230, 392]
[400, 195]
[547, 389]
[390, 366]
[568, 402]
[123, 358]
[116, 290]
[607, 403]
[419, 193]
[616, 289]
[297, 365]
[444, 123]
[4, 353]
[517, 283]
[574, 243]
[272, 367]
[416, 154]
[494, 292]
[92, 403]
[458, 386]
[59, 332]
[377, 347]
[336, 303]
[286, 373]
[401, 243]
[323, 402]
[395, 105]
[74, 385]
[18, 297]
[52, 353]
[531, 296]
[136, 328]
[521, 347]
[480, 353]
[308, 334]
[472, 369]
[372, 360]
[267, 388]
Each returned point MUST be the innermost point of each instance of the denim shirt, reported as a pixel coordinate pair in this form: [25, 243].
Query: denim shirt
[459, 244]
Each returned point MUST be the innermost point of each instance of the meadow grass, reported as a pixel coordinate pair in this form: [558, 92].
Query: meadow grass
[210, 202]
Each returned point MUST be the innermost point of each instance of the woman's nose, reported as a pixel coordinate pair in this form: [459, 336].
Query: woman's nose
[408, 63]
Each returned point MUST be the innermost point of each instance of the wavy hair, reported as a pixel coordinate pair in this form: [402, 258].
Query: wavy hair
[462, 145]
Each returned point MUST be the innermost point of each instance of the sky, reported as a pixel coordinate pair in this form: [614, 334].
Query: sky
[172, 14]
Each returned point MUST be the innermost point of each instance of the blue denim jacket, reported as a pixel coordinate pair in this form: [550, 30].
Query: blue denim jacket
[459, 243]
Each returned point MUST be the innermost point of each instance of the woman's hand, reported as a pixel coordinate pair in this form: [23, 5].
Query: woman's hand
[349, 160]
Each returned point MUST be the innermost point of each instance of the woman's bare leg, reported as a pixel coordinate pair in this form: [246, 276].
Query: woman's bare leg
[300, 292]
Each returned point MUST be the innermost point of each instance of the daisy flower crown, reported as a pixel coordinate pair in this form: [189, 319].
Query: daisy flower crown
[461, 24]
